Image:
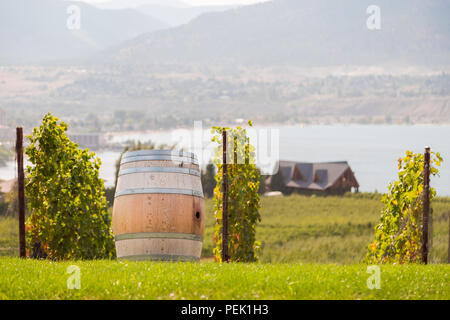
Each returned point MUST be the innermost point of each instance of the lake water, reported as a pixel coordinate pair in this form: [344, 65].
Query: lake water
[371, 150]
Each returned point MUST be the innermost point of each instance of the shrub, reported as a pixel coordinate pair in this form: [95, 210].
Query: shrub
[277, 182]
[208, 180]
[244, 202]
[65, 197]
[398, 236]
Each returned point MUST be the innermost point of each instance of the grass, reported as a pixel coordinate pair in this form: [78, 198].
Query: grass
[314, 245]
[305, 229]
[326, 229]
[9, 237]
[31, 279]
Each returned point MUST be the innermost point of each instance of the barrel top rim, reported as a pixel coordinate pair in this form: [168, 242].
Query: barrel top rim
[155, 152]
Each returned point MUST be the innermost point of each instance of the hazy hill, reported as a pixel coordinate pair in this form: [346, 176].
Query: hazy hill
[119, 4]
[178, 15]
[172, 12]
[305, 33]
[36, 30]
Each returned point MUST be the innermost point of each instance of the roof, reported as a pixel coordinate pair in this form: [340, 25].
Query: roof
[313, 175]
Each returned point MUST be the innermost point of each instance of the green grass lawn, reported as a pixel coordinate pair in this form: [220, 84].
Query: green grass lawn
[314, 244]
[31, 279]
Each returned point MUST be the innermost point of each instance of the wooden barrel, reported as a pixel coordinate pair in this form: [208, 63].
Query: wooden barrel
[159, 213]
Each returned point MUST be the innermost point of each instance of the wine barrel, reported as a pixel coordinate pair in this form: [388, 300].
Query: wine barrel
[159, 212]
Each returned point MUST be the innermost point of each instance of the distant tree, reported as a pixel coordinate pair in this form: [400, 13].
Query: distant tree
[388, 119]
[11, 201]
[209, 180]
[277, 182]
[3, 206]
[262, 183]
[136, 115]
[109, 195]
[5, 155]
[406, 119]
[68, 210]
[120, 117]
[93, 123]
[120, 114]
[8, 202]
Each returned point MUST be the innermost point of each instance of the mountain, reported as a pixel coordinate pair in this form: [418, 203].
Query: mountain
[120, 4]
[303, 33]
[176, 16]
[172, 12]
[36, 30]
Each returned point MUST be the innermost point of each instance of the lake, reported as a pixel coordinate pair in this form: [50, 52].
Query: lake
[371, 150]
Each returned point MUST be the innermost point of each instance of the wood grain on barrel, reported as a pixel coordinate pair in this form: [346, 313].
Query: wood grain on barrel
[173, 247]
[159, 180]
[158, 213]
[159, 163]
[161, 226]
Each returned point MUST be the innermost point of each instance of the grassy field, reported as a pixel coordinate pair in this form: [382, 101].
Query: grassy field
[314, 245]
[9, 237]
[33, 279]
[327, 229]
[305, 229]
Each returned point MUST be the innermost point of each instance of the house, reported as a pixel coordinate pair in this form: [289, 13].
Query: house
[310, 178]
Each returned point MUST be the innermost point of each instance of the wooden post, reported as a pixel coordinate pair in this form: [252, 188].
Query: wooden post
[225, 256]
[426, 204]
[21, 192]
[448, 237]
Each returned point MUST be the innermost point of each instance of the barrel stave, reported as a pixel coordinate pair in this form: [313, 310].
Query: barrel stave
[159, 211]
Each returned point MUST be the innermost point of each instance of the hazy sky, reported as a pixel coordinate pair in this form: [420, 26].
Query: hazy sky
[220, 2]
[197, 2]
